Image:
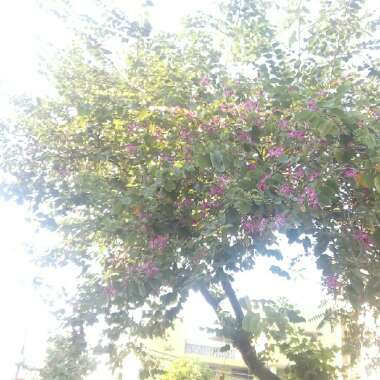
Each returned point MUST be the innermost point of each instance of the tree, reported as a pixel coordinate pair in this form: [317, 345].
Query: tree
[176, 169]
[183, 369]
[66, 358]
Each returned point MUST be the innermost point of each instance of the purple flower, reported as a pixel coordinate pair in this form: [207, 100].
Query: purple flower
[285, 190]
[350, 172]
[299, 135]
[276, 152]
[311, 197]
[251, 166]
[283, 123]
[312, 105]
[364, 238]
[158, 243]
[262, 185]
[250, 105]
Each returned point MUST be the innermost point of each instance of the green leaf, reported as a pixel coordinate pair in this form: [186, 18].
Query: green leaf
[217, 162]
[327, 192]
[325, 264]
[377, 183]
[251, 323]
[277, 270]
[294, 316]
[245, 302]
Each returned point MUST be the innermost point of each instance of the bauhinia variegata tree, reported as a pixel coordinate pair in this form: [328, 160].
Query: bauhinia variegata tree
[175, 169]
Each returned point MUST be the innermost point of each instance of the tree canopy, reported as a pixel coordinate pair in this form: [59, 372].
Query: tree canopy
[178, 166]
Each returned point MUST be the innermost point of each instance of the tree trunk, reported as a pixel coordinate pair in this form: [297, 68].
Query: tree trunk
[242, 343]
[241, 339]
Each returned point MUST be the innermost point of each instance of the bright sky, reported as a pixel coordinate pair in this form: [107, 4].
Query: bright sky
[25, 34]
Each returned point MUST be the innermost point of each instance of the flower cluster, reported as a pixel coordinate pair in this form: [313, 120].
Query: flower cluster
[262, 185]
[311, 197]
[254, 225]
[276, 152]
[158, 243]
[312, 105]
[363, 238]
[350, 172]
[299, 135]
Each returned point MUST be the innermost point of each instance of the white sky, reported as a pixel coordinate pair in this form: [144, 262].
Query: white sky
[25, 33]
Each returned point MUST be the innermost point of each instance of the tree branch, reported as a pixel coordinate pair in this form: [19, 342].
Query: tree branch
[211, 300]
[226, 284]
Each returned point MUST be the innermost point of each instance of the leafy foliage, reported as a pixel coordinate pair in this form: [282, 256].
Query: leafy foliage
[187, 369]
[67, 359]
[175, 170]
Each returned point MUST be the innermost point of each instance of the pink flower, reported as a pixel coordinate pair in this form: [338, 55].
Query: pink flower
[186, 135]
[168, 158]
[185, 203]
[244, 137]
[149, 269]
[350, 172]
[262, 185]
[228, 92]
[276, 152]
[311, 197]
[312, 105]
[250, 105]
[209, 205]
[301, 199]
[299, 172]
[190, 114]
[227, 108]
[279, 220]
[110, 291]
[209, 128]
[132, 127]
[283, 123]
[332, 282]
[285, 190]
[205, 81]
[299, 135]
[216, 190]
[251, 166]
[254, 226]
[188, 153]
[259, 122]
[364, 238]
[158, 243]
[132, 148]
[313, 176]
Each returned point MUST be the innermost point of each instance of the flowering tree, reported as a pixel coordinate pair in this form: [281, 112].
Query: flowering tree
[178, 168]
